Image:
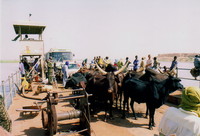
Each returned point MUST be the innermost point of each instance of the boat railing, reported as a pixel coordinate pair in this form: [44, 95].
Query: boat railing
[180, 69]
[8, 88]
[187, 78]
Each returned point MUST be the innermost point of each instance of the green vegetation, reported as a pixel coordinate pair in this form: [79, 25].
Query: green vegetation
[9, 61]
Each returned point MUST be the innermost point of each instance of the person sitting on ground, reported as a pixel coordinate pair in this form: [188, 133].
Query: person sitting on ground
[165, 70]
[183, 121]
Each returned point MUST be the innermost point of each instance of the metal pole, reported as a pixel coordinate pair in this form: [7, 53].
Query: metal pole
[16, 81]
[19, 78]
[4, 93]
[43, 64]
[12, 83]
[33, 67]
[10, 87]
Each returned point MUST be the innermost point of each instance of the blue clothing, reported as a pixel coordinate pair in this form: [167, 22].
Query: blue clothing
[174, 64]
[197, 62]
[135, 63]
[22, 69]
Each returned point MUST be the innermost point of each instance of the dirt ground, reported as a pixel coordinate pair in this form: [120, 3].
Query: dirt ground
[31, 125]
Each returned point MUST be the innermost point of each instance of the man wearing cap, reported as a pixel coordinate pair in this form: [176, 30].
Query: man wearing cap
[183, 121]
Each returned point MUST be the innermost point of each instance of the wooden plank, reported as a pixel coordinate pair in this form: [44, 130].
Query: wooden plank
[28, 110]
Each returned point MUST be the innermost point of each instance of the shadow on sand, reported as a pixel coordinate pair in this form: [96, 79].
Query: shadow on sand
[118, 121]
[32, 131]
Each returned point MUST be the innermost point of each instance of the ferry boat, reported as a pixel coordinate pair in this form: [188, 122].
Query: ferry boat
[34, 114]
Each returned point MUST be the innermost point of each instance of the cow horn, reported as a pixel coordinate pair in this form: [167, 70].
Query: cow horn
[100, 69]
[122, 68]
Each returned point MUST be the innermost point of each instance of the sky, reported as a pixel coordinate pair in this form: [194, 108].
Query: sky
[114, 28]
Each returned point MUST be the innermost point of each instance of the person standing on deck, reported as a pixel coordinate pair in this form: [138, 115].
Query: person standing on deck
[142, 65]
[197, 61]
[26, 65]
[156, 64]
[195, 72]
[50, 66]
[135, 63]
[106, 61]
[127, 60]
[100, 61]
[65, 72]
[173, 67]
[120, 64]
[21, 68]
[149, 62]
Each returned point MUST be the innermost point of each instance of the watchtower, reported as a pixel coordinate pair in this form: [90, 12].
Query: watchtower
[31, 42]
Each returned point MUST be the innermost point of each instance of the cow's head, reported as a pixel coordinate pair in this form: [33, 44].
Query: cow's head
[116, 72]
[173, 84]
[111, 82]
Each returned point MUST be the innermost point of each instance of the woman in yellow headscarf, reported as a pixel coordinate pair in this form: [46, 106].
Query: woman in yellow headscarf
[185, 120]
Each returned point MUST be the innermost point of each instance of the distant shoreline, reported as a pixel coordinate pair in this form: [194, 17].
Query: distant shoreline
[179, 59]
[9, 61]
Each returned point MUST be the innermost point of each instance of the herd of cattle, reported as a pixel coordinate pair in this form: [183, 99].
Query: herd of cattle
[112, 87]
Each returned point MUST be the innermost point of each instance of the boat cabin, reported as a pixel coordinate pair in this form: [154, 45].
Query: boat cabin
[31, 43]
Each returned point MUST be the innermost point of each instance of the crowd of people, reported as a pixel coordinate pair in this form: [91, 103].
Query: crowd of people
[138, 65]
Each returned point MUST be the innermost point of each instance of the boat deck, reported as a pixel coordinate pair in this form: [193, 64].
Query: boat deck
[30, 124]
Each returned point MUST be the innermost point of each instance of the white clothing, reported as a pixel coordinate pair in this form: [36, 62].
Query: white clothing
[149, 61]
[65, 74]
[180, 123]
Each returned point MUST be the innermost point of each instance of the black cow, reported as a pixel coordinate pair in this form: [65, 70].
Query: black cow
[104, 88]
[126, 76]
[153, 93]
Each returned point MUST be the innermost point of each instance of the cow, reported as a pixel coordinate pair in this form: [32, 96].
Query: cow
[127, 75]
[104, 88]
[152, 92]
